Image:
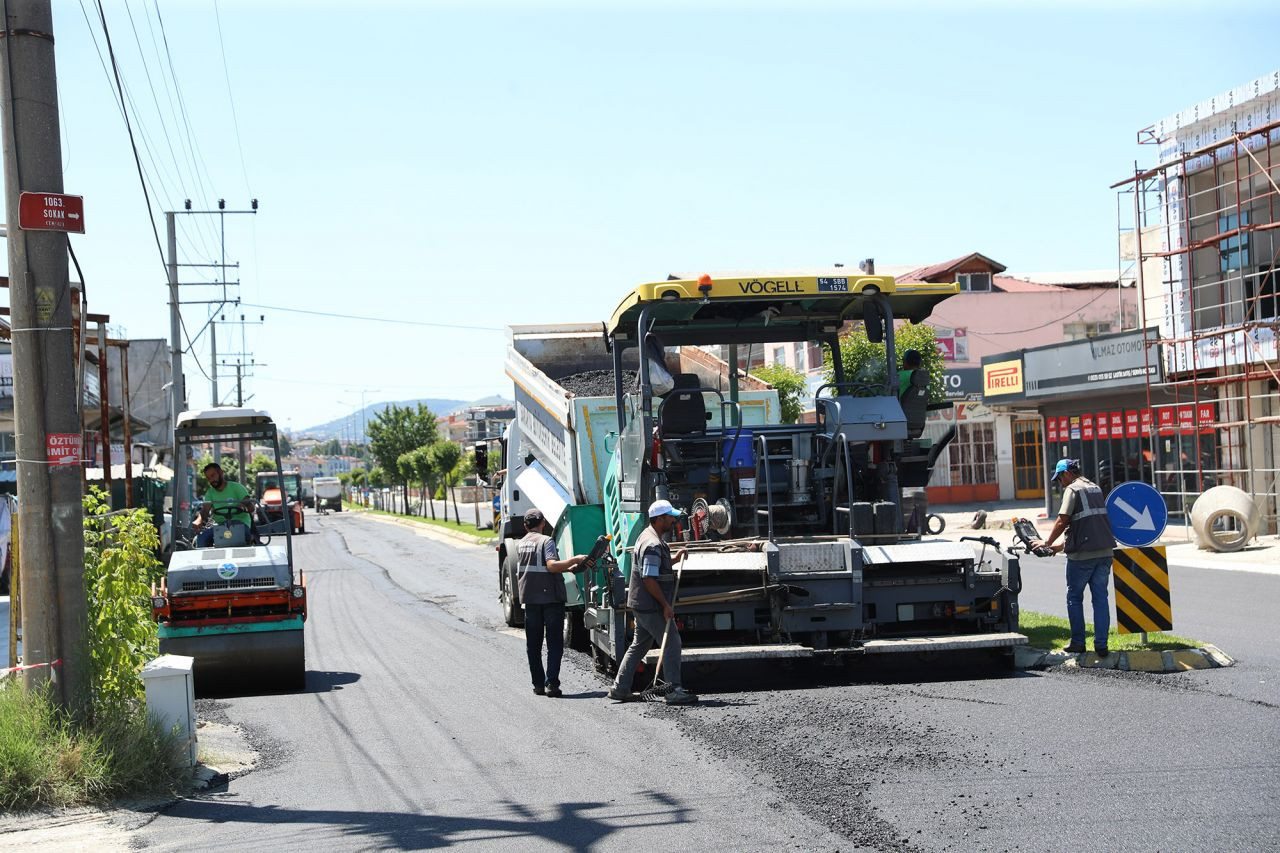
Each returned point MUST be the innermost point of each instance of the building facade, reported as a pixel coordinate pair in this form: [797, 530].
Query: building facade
[1199, 239]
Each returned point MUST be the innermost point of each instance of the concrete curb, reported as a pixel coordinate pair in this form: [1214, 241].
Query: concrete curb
[1207, 657]
[206, 777]
[430, 528]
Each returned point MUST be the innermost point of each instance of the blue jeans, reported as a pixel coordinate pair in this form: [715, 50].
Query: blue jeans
[545, 619]
[1094, 574]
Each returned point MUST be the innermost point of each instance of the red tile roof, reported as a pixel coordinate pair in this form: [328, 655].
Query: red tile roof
[945, 269]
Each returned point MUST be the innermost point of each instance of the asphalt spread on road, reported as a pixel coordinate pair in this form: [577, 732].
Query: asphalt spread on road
[418, 729]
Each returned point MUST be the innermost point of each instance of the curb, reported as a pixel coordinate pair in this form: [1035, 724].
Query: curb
[1207, 657]
[206, 777]
[443, 531]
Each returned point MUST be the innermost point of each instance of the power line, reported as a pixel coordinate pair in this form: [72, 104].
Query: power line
[1070, 313]
[368, 319]
[231, 97]
[129, 127]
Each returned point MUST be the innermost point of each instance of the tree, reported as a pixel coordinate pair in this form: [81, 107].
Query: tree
[445, 456]
[865, 362]
[286, 446]
[332, 447]
[377, 477]
[424, 469]
[397, 430]
[790, 385]
[258, 464]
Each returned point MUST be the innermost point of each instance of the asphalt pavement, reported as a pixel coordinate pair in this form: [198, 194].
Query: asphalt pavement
[418, 730]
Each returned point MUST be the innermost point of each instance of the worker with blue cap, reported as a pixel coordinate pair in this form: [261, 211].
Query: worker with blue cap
[1088, 546]
[651, 595]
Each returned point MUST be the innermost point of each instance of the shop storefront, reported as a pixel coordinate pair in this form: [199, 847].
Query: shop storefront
[967, 471]
[1089, 400]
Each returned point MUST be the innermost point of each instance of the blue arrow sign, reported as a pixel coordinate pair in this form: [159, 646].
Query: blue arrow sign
[1137, 514]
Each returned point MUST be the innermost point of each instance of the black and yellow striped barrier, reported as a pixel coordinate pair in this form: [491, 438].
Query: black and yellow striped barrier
[1142, 590]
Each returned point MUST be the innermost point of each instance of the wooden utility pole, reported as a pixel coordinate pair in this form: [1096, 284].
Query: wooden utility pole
[46, 416]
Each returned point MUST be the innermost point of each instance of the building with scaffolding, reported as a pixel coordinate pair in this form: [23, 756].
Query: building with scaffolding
[1200, 239]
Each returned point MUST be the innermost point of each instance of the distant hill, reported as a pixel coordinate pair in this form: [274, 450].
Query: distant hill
[344, 427]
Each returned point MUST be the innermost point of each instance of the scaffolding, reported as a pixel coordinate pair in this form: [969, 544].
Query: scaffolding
[1200, 239]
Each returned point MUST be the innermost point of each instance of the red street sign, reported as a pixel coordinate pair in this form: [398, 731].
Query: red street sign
[51, 212]
[62, 448]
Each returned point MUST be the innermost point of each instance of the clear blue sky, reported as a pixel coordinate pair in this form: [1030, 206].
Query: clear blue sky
[488, 164]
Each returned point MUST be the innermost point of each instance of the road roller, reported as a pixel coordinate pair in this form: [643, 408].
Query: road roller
[231, 597]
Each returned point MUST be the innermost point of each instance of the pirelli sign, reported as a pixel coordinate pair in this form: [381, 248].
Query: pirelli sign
[1002, 378]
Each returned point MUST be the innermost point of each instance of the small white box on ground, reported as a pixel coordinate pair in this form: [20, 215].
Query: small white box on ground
[171, 698]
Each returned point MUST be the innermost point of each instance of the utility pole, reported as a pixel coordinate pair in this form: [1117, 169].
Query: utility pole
[178, 387]
[46, 407]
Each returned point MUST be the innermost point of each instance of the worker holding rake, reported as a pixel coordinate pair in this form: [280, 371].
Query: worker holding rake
[651, 597]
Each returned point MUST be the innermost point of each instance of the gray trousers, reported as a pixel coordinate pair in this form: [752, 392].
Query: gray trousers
[648, 635]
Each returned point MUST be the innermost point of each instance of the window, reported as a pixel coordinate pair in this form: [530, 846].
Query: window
[798, 352]
[974, 281]
[1263, 299]
[1082, 330]
[973, 455]
[779, 355]
[1233, 252]
[815, 356]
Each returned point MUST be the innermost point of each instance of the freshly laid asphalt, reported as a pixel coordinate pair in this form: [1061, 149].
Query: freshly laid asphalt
[418, 730]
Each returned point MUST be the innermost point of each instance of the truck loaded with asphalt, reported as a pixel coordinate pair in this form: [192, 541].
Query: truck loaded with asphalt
[794, 532]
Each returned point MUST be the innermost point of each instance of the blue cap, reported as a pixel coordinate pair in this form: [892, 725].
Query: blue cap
[1063, 466]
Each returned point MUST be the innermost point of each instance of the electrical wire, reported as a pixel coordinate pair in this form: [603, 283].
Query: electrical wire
[235, 120]
[368, 319]
[102, 15]
[1070, 313]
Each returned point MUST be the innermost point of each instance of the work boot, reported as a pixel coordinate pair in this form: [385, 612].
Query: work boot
[553, 690]
[618, 695]
[1077, 649]
[539, 690]
[680, 696]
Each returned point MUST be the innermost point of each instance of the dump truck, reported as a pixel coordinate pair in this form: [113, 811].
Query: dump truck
[236, 606]
[794, 532]
[328, 494]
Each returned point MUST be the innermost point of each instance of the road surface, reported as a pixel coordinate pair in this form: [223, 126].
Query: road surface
[419, 730]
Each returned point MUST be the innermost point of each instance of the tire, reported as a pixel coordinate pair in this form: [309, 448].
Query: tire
[934, 524]
[575, 631]
[339, 508]
[602, 663]
[512, 612]
[302, 528]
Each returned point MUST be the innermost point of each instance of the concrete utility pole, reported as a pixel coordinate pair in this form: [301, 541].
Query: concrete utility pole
[179, 387]
[50, 515]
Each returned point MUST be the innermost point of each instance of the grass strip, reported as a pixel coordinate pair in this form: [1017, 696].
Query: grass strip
[463, 528]
[1054, 633]
[48, 761]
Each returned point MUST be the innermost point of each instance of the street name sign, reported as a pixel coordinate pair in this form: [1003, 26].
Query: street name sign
[1137, 514]
[51, 212]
